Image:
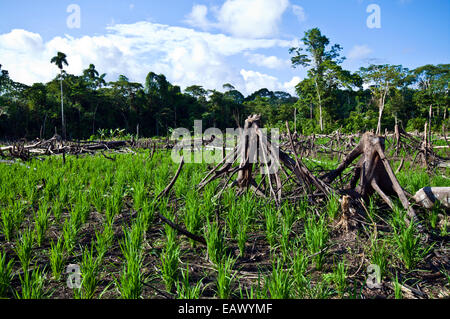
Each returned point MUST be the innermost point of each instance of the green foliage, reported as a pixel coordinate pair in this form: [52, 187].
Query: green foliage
[316, 239]
[56, 256]
[5, 274]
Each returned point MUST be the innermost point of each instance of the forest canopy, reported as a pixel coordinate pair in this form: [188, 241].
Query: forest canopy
[329, 98]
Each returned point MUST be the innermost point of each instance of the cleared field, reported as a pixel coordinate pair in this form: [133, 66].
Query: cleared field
[102, 214]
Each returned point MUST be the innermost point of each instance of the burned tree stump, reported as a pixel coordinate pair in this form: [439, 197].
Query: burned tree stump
[373, 173]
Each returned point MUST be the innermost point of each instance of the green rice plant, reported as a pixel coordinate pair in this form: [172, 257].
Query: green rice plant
[192, 216]
[32, 285]
[170, 260]
[56, 256]
[225, 277]
[57, 209]
[214, 242]
[232, 220]
[11, 219]
[131, 282]
[24, 248]
[8, 223]
[302, 208]
[271, 226]
[90, 268]
[5, 274]
[186, 290]
[316, 239]
[339, 278]
[397, 289]
[96, 197]
[243, 226]
[104, 240]
[41, 219]
[299, 269]
[70, 233]
[285, 242]
[280, 282]
[379, 255]
[82, 207]
[138, 195]
[409, 248]
[320, 290]
[333, 206]
[148, 213]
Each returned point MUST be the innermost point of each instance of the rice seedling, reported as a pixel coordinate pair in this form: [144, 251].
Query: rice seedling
[333, 206]
[232, 220]
[138, 195]
[32, 285]
[131, 281]
[320, 290]
[104, 240]
[186, 290]
[70, 234]
[214, 241]
[5, 274]
[11, 219]
[170, 260]
[409, 248]
[56, 256]
[57, 210]
[41, 222]
[271, 226]
[225, 278]
[8, 223]
[397, 289]
[280, 284]
[316, 239]
[299, 271]
[90, 268]
[339, 278]
[380, 256]
[192, 216]
[24, 248]
[243, 228]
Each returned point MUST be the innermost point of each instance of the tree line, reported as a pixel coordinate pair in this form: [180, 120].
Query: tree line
[85, 106]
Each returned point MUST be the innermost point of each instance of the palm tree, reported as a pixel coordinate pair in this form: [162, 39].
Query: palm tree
[60, 60]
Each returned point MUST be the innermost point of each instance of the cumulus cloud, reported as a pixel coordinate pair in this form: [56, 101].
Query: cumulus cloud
[299, 12]
[359, 52]
[198, 17]
[242, 18]
[184, 55]
[254, 80]
[271, 62]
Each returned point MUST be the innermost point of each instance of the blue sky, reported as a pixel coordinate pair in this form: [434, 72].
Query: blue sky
[212, 42]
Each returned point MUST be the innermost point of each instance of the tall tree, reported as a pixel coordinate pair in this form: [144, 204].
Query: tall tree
[381, 79]
[323, 64]
[60, 60]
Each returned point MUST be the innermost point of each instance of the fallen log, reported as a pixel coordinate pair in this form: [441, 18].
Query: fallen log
[429, 196]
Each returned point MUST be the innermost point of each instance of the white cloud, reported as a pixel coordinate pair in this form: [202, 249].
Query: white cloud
[290, 86]
[359, 52]
[255, 80]
[271, 62]
[299, 12]
[198, 17]
[184, 55]
[242, 18]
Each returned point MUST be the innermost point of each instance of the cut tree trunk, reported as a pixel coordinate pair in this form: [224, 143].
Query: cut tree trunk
[373, 172]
